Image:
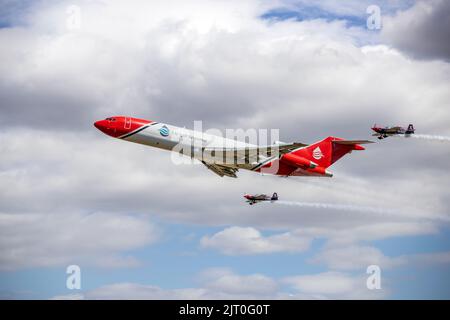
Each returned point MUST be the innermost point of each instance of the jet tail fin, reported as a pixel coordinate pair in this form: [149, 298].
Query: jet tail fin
[326, 152]
[410, 129]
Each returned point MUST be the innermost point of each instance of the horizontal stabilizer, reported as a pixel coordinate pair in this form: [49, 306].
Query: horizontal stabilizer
[350, 142]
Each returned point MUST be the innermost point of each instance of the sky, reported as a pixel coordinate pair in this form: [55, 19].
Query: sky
[142, 227]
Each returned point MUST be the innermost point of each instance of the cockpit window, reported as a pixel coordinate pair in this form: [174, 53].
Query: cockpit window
[111, 119]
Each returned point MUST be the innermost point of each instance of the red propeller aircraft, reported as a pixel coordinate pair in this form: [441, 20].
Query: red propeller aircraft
[252, 199]
[385, 132]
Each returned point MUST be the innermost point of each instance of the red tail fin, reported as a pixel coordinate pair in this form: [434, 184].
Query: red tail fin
[329, 150]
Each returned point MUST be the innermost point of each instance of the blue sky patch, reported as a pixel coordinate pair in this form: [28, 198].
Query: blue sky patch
[311, 13]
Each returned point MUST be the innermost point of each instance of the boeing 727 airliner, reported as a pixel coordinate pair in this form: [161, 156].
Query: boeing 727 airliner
[226, 156]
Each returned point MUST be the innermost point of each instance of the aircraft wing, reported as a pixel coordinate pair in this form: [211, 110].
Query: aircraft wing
[388, 134]
[251, 154]
[393, 130]
[259, 197]
[286, 147]
[221, 170]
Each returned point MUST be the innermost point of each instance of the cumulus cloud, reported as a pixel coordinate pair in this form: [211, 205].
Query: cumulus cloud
[216, 283]
[355, 258]
[222, 283]
[225, 280]
[46, 240]
[345, 249]
[332, 285]
[427, 259]
[198, 64]
[370, 232]
[147, 292]
[241, 241]
[421, 31]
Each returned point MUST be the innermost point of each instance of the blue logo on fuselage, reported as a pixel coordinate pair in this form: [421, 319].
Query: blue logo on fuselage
[164, 131]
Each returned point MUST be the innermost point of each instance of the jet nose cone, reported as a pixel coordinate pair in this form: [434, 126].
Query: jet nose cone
[100, 125]
[103, 126]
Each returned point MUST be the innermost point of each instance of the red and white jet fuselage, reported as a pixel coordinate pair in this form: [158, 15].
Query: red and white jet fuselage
[226, 156]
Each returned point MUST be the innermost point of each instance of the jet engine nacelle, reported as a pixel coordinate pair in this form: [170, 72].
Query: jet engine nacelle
[320, 171]
[297, 161]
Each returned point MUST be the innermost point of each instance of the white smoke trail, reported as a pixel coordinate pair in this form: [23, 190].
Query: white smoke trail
[430, 137]
[362, 209]
[335, 206]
